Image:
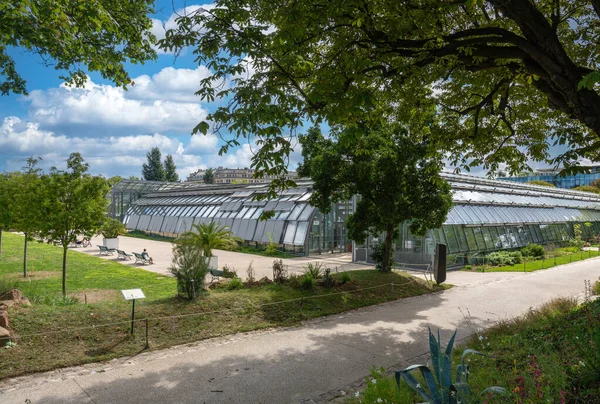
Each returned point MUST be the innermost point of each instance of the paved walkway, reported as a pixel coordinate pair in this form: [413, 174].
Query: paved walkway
[315, 361]
[162, 255]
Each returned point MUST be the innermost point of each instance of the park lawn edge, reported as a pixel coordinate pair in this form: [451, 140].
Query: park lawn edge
[71, 345]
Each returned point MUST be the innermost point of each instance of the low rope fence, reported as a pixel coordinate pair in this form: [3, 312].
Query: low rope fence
[300, 303]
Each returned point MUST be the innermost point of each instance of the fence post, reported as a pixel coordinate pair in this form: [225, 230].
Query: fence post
[301, 303]
[554, 259]
[147, 344]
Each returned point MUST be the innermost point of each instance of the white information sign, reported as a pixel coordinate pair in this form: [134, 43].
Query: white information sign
[132, 294]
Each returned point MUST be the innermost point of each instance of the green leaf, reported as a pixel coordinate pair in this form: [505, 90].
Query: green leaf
[589, 81]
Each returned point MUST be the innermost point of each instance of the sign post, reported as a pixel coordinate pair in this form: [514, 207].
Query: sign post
[133, 294]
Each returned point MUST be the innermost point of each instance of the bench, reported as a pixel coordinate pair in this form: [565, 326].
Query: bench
[216, 274]
[124, 255]
[105, 250]
[140, 258]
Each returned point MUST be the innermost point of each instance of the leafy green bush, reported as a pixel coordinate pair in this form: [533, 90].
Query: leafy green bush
[315, 270]
[112, 228]
[468, 267]
[533, 250]
[235, 284]
[294, 281]
[377, 256]
[596, 288]
[271, 248]
[189, 267]
[565, 251]
[502, 258]
[344, 277]
[307, 282]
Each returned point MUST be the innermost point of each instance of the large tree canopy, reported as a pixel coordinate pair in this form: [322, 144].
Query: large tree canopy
[99, 35]
[395, 178]
[508, 77]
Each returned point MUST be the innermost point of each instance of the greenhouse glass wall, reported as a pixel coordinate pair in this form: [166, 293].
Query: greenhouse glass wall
[296, 226]
[488, 215]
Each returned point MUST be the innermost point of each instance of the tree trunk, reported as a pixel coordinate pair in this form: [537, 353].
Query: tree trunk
[387, 255]
[25, 257]
[64, 274]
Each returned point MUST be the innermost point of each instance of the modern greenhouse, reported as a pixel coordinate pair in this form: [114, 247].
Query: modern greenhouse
[488, 215]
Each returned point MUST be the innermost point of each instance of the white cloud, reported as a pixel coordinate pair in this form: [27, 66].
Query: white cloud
[108, 106]
[203, 144]
[113, 155]
[159, 27]
[169, 84]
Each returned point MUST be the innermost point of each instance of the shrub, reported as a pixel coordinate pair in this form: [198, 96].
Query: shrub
[468, 267]
[229, 272]
[596, 288]
[533, 250]
[189, 267]
[565, 251]
[271, 248]
[315, 271]
[345, 278]
[279, 271]
[377, 256]
[501, 258]
[294, 280]
[235, 283]
[112, 228]
[307, 282]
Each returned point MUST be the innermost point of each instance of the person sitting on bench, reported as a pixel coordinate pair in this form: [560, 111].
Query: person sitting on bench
[147, 257]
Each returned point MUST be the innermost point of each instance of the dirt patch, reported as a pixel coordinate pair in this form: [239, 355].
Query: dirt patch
[34, 275]
[96, 295]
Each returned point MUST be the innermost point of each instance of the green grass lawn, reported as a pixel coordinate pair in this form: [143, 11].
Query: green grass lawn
[53, 334]
[536, 265]
[84, 272]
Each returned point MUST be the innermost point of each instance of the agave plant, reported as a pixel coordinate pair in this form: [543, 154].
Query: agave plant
[440, 387]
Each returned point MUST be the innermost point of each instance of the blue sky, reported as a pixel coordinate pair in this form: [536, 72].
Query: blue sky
[112, 128]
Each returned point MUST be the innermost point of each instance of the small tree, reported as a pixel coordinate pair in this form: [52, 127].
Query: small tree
[170, 170]
[75, 204]
[6, 205]
[396, 179]
[28, 190]
[209, 176]
[153, 170]
[207, 237]
[189, 267]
